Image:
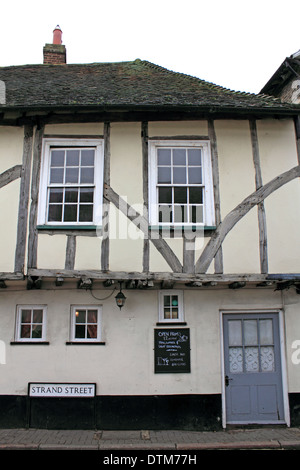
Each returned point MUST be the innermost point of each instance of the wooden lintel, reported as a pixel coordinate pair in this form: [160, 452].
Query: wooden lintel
[151, 276]
[167, 284]
[16, 276]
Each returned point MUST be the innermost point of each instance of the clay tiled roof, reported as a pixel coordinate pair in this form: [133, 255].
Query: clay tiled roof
[135, 85]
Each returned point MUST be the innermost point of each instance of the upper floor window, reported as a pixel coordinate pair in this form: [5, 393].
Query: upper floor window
[31, 323]
[71, 182]
[181, 187]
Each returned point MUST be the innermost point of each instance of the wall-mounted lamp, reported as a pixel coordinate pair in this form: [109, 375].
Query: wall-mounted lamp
[120, 298]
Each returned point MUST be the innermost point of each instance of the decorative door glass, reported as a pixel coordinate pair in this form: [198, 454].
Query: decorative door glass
[251, 345]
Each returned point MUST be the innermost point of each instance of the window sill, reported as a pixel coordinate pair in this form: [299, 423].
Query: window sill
[68, 227]
[31, 343]
[85, 343]
[171, 323]
[174, 228]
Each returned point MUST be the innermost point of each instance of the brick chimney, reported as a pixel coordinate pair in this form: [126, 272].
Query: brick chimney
[55, 53]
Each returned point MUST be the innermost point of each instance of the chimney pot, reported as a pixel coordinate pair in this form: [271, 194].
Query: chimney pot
[57, 35]
[55, 53]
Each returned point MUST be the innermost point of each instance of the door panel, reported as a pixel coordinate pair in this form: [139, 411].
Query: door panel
[253, 380]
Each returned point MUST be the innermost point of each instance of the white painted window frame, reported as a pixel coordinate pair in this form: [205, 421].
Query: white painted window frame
[161, 296]
[18, 323]
[73, 339]
[48, 144]
[209, 209]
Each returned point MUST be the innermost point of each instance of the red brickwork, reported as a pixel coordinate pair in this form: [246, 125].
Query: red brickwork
[54, 54]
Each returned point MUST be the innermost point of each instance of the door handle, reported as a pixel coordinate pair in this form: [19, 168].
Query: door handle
[227, 380]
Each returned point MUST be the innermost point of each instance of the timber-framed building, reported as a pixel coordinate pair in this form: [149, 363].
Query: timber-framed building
[149, 255]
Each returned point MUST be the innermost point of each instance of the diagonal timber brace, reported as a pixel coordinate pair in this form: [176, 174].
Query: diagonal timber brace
[238, 213]
[142, 223]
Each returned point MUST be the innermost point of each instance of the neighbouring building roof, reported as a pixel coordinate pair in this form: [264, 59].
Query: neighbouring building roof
[137, 84]
[287, 71]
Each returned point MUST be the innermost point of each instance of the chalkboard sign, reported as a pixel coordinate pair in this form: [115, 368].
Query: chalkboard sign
[172, 350]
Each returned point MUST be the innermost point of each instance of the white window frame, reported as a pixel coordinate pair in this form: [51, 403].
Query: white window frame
[20, 308]
[74, 308]
[208, 194]
[161, 317]
[48, 145]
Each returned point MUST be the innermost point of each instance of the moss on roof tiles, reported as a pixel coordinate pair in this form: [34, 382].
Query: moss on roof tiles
[135, 84]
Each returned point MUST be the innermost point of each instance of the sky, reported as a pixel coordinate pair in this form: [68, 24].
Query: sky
[238, 45]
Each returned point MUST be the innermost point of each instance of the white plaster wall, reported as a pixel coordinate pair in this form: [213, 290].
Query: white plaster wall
[237, 181]
[51, 251]
[292, 331]
[75, 129]
[126, 161]
[177, 128]
[125, 364]
[278, 154]
[11, 152]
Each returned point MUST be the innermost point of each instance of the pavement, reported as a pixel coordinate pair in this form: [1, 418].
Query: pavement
[176, 441]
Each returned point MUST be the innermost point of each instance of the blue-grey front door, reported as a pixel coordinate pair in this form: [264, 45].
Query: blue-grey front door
[253, 376]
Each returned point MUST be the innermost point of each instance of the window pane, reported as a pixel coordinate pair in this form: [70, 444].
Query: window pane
[86, 195]
[167, 300]
[266, 332]
[56, 195]
[236, 360]
[235, 332]
[250, 332]
[26, 316]
[196, 214]
[56, 175]
[251, 359]
[72, 158]
[71, 195]
[174, 300]
[174, 312]
[164, 174]
[70, 213]
[180, 195]
[87, 175]
[180, 214]
[167, 313]
[165, 214]
[87, 157]
[164, 157]
[267, 358]
[85, 213]
[179, 175]
[165, 195]
[92, 316]
[179, 157]
[37, 316]
[196, 195]
[80, 316]
[25, 331]
[57, 157]
[80, 331]
[194, 157]
[195, 175]
[71, 175]
[92, 331]
[55, 213]
[36, 331]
